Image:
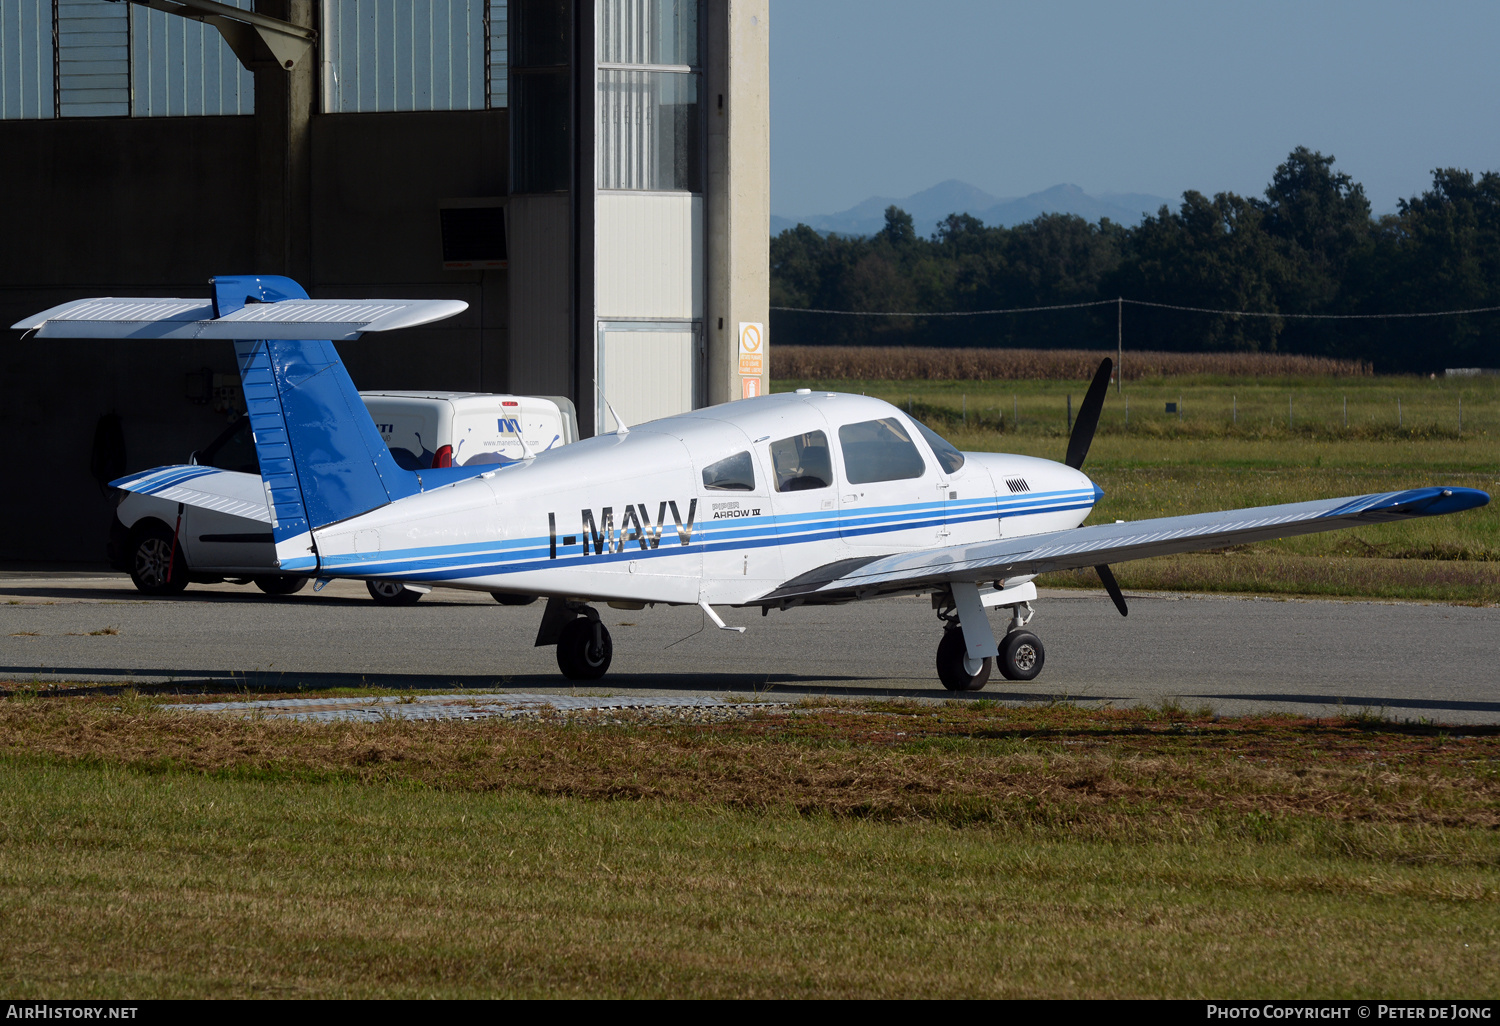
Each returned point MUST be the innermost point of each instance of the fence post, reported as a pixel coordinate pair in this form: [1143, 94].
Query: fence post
[1460, 414]
[1346, 413]
[1119, 344]
[1398, 413]
[1234, 409]
[966, 410]
[1288, 413]
[1070, 411]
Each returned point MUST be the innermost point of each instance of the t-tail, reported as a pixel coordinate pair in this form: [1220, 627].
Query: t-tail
[322, 460]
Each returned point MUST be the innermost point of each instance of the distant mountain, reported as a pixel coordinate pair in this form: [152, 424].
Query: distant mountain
[930, 206]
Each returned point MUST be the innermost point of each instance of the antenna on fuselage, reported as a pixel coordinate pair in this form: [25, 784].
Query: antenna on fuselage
[621, 428]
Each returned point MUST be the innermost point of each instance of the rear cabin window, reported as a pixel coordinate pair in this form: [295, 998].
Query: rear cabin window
[733, 474]
[879, 450]
[802, 462]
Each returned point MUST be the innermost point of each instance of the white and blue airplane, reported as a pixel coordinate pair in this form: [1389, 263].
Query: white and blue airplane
[773, 502]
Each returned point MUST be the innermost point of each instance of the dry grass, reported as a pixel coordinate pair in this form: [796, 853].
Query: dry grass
[909, 363]
[971, 763]
[870, 851]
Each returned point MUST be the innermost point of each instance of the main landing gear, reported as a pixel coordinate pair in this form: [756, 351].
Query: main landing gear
[584, 647]
[966, 659]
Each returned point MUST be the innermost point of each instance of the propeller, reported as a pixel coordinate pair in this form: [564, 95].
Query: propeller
[1078, 450]
[1088, 415]
[1107, 577]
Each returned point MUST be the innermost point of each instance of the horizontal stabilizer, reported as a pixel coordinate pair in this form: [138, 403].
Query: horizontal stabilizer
[1113, 543]
[223, 491]
[337, 320]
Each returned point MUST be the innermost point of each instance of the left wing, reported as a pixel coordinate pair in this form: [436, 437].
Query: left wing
[1111, 543]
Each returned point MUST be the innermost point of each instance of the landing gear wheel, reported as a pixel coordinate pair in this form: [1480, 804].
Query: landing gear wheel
[155, 567]
[281, 584]
[584, 649]
[507, 598]
[1021, 656]
[392, 593]
[953, 663]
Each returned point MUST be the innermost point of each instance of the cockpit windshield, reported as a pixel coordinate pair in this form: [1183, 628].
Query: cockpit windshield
[949, 458]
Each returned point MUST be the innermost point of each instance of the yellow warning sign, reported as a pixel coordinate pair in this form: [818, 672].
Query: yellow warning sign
[752, 348]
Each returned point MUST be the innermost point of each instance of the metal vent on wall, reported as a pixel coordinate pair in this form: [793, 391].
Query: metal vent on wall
[1017, 484]
[473, 234]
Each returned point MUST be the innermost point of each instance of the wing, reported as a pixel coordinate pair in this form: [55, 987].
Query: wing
[224, 491]
[335, 319]
[1111, 543]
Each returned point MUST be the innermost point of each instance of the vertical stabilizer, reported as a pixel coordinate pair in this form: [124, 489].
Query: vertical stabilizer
[322, 459]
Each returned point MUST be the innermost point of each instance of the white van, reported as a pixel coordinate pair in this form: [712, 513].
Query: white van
[460, 429]
[422, 429]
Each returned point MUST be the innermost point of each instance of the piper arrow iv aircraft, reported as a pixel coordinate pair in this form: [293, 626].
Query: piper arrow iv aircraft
[777, 501]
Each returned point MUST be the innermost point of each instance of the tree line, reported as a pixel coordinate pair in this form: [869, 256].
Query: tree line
[1310, 246]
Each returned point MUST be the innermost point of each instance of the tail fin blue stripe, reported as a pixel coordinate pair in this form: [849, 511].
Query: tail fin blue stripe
[341, 462]
[272, 445]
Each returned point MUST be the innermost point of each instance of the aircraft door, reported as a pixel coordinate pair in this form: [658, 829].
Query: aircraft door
[889, 497]
[803, 498]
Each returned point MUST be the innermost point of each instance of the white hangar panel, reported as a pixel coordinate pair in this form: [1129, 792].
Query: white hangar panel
[650, 255]
[646, 372]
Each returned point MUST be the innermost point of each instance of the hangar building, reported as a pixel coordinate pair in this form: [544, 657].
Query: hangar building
[590, 176]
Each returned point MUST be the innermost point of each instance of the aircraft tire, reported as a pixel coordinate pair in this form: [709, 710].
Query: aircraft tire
[150, 552]
[950, 664]
[392, 593]
[281, 584]
[580, 654]
[1021, 656]
[510, 598]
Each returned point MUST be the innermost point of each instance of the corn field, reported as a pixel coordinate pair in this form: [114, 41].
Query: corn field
[910, 363]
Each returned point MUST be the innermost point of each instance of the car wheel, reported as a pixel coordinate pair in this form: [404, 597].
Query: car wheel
[392, 593]
[157, 565]
[281, 584]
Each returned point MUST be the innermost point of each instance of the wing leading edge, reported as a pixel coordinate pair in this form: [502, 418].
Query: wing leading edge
[1113, 543]
[338, 320]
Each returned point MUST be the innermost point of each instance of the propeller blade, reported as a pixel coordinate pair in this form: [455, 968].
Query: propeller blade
[1088, 415]
[1107, 576]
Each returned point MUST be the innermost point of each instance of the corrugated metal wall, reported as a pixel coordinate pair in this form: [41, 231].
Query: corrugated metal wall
[26, 59]
[650, 254]
[93, 59]
[184, 67]
[387, 55]
[499, 53]
[646, 375]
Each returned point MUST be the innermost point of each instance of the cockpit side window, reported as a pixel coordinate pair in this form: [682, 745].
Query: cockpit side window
[733, 474]
[879, 450]
[949, 458]
[802, 462]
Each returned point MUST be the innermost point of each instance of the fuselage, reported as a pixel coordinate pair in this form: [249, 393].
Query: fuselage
[719, 505]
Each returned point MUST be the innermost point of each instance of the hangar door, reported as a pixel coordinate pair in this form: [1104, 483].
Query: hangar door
[647, 370]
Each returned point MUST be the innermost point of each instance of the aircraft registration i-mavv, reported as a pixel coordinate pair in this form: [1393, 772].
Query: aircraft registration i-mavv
[773, 502]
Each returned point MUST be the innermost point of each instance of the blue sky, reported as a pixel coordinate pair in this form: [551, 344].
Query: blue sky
[875, 97]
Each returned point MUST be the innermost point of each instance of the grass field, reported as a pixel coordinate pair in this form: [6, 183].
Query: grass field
[961, 850]
[1233, 445]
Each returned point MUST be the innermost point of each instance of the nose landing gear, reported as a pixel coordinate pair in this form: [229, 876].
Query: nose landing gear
[965, 660]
